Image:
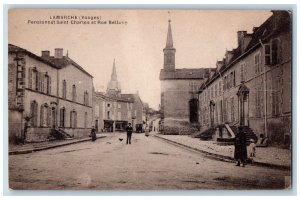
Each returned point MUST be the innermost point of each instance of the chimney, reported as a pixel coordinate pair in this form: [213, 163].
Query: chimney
[246, 40]
[219, 64]
[240, 35]
[58, 53]
[45, 54]
[254, 29]
[229, 55]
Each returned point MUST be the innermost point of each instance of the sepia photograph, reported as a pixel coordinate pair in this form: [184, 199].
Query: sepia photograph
[150, 99]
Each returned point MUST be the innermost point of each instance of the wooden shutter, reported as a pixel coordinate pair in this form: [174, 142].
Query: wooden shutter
[42, 114]
[30, 77]
[49, 78]
[43, 83]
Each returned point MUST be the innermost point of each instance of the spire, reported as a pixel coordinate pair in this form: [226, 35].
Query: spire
[114, 86]
[114, 72]
[169, 43]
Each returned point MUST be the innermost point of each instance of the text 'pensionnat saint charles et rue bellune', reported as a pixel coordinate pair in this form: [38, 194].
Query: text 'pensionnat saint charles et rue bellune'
[74, 19]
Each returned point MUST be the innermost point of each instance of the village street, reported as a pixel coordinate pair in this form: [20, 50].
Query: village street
[148, 163]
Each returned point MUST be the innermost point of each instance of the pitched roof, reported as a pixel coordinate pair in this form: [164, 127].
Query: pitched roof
[110, 97]
[191, 73]
[132, 97]
[15, 49]
[57, 63]
[64, 61]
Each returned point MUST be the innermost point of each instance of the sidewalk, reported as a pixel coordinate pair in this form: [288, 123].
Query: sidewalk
[269, 157]
[39, 146]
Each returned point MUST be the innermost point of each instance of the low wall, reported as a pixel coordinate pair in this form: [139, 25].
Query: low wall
[37, 134]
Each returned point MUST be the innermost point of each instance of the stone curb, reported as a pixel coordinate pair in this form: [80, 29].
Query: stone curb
[226, 158]
[50, 146]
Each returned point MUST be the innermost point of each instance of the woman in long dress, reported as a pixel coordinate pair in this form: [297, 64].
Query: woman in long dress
[240, 147]
[93, 134]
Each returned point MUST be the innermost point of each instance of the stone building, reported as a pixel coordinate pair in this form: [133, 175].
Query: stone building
[252, 84]
[47, 94]
[179, 88]
[114, 110]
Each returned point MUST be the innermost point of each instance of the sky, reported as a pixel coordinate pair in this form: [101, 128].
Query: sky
[200, 37]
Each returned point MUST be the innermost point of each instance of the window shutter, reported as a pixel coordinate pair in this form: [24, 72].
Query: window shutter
[43, 82]
[75, 119]
[71, 116]
[37, 87]
[42, 115]
[49, 116]
[30, 77]
[49, 84]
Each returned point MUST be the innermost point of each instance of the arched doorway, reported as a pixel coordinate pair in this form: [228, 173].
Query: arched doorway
[193, 110]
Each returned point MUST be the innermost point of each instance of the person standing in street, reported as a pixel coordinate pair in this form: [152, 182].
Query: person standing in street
[240, 147]
[93, 134]
[129, 130]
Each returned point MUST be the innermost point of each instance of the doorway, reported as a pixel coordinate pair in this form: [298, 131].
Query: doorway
[193, 110]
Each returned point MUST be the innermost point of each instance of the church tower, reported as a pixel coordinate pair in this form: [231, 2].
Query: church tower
[169, 52]
[114, 86]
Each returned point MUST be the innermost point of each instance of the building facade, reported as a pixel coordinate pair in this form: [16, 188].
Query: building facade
[114, 110]
[252, 84]
[179, 88]
[47, 93]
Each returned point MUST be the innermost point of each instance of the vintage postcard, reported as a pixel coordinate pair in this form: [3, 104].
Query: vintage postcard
[139, 99]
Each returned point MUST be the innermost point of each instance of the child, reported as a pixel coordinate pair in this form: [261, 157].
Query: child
[252, 147]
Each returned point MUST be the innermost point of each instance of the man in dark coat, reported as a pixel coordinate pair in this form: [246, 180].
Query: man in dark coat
[93, 134]
[129, 130]
[240, 147]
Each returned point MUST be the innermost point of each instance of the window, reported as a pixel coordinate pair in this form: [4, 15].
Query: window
[73, 119]
[119, 115]
[108, 105]
[258, 102]
[119, 105]
[232, 79]
[85, 120]
[62, 114]
[86, 98]
[243, 65]
[47, 84]
[129, 114]
[64, 89]
[193, 86]
[45, 115]
[220, 87]
[267, 54]
[34, 113]
[108, 115]
[272, 52]
[74, 93]
[225, 83]
[257, 65]
[275, 52]
[216, 90]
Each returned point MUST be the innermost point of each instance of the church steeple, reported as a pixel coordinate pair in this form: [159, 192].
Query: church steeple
[169, 51]
[169, 43]
[114, 72]
[114, 87]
